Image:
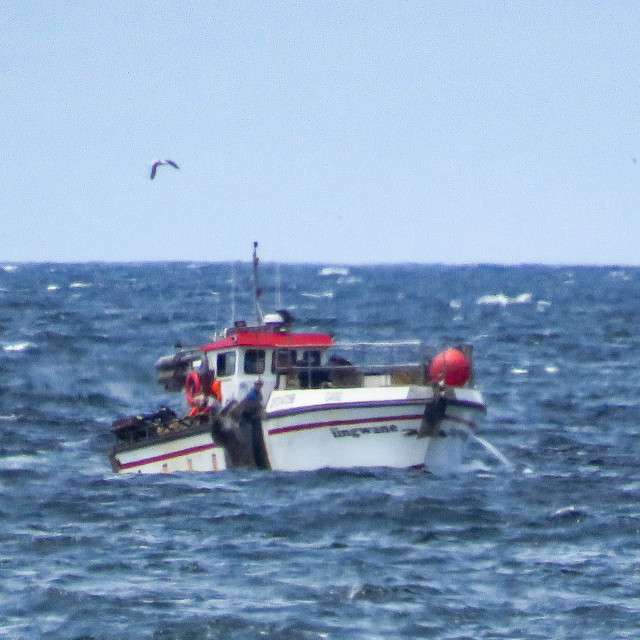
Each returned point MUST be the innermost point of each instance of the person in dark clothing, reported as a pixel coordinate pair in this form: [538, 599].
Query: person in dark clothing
[253, 399]
[239, 431]
[236, 440]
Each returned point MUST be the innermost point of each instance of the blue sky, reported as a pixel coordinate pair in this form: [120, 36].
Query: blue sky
[331, 132]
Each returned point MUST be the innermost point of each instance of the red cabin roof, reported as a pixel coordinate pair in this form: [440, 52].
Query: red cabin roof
[257, 337]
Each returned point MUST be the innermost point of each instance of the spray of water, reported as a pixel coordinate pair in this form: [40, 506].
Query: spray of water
[444, 454]
[493, 451]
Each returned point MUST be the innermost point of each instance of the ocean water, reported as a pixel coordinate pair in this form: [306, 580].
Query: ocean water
[547, 546]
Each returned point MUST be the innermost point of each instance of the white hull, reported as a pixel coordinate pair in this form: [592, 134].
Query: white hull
[187, 452]
[310, 429]
[305, 430]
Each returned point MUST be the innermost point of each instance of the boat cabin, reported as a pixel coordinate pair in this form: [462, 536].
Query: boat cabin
[243, 354]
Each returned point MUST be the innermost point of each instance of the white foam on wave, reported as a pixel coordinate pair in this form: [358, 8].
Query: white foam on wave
[519, 371]
[502, 300]
[9, 268]
[323, 294]
[19, 346]
[333, 271]
[80, 285]
[620, 274]
[53, 287]
[496, 299]
[19, 462]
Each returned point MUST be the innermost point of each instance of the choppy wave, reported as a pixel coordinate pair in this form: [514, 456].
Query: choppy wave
[546, 547]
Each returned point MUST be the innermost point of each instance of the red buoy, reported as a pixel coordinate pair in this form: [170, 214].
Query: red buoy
[451, 367]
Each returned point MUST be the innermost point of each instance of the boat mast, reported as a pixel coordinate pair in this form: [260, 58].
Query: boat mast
[233, 293]
[279, 304]
[257, 290]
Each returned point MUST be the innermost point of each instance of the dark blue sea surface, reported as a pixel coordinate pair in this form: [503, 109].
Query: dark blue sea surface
[548, 547]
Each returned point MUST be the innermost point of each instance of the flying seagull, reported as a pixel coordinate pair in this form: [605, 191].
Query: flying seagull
[157, 163]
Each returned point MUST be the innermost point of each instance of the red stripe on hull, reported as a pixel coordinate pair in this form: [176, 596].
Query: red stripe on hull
[167, 456]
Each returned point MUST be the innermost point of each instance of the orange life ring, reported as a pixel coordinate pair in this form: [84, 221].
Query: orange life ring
[192, 386]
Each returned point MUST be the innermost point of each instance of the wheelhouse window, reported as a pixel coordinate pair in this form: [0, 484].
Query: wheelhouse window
[254, 361]
[226, 364]
[310, 375]
[283, 359]
[310, 359]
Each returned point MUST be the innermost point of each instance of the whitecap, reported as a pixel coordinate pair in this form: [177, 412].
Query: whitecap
[551, 369]
[455, 304]
[52, 287]
[9, 268]
[542, 305]
[502, 300]
[19, 346]
[493, 299]
[520, 372]
[333, 271]
[79, 285]
[620, 275]
[19, 462]
[571, 510]
[323, 294]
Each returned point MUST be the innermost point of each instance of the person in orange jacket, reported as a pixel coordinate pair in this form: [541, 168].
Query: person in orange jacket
[216, 390]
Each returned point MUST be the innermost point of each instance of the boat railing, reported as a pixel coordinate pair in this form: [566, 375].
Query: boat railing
[147, 430]
[383, 353]
[349, 376]
[352, 365]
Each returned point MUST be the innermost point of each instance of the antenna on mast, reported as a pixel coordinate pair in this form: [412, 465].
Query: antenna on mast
[233, 293]
[278, 287]
[257, 290]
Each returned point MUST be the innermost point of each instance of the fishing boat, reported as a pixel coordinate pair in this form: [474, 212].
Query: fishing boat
[300, 401]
